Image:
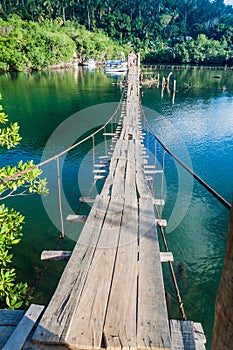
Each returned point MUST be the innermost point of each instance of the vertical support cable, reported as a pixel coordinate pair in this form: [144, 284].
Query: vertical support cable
[105, 142]
[93, 150]
[178, 296]
[155, 152]
[59, 197]
[162, 182]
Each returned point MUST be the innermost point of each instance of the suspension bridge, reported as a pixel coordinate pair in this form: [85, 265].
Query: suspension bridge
[111, 294]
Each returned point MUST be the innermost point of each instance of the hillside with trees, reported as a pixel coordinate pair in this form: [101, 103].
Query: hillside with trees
[181, 31]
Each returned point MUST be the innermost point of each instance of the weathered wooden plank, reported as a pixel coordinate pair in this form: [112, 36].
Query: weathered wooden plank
[161, 222]
[199, 336]
[101, 165]
[151, 171]
[10, 317]
[182, 335]
[87, 322]
[55, 255]
[99, 177]
[153, 329]
[120, 323]
[99, 171]
[29, 345]
[87, 199]
[76, 218]
[166, 256]
[199, 333]
[5, 333]
[56, 319]
[21, 332]
[88, 319]
[158, 201]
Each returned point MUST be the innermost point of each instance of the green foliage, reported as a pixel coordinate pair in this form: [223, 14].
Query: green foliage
[12, 294]
[52, 30]
[25, 45]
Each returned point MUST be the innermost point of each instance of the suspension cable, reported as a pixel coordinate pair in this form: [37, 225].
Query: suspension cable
[194, 175]
[20, 173]
[59, 197]
[178, 295]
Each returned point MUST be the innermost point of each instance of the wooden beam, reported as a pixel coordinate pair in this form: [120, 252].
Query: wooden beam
[99, 171]
[55, 255]
[158, 201]
[21, 332]
[109, 134]
[76, 218]
[86, 199]
[185, 337]
[166, 256]
[99, 177]
[151, 171]
[161, 222]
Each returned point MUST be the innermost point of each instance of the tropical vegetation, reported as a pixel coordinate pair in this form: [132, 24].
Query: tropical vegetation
[45, 32]
[13, 293]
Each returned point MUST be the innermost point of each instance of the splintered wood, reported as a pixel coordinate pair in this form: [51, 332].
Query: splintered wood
[111, 293]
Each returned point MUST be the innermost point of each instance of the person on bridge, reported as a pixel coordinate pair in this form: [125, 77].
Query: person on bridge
[132, 58]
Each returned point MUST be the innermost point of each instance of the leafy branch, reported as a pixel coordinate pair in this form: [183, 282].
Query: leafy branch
[12, 294]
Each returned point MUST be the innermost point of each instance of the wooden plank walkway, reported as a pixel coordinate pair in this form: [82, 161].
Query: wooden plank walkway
[111, 293]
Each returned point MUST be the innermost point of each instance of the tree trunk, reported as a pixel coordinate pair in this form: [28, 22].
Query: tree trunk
[223, 325]
[64, 14]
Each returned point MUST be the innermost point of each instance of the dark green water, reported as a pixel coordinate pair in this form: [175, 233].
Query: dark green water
[198, 127]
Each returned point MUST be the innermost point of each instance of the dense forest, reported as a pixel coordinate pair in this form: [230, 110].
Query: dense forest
[182, 31]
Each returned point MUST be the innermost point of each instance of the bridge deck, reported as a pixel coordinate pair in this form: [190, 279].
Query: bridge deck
[111, 293]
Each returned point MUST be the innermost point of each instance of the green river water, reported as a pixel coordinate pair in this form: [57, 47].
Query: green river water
[197, 126]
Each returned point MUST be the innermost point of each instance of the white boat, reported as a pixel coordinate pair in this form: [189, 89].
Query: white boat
[115, 66]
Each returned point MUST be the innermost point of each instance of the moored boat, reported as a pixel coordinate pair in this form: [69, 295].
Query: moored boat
[115, 66]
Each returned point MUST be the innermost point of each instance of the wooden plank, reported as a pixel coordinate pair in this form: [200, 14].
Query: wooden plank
[101, 165]
[29, 345]
[151, 171]
[87, 199]
[120, 324]
[199, 333]
[199, 336]
[100, 177]
[182, 335]
[166, 256]
[161, 222]
[5, 333]
[21, 332]
[158, 201]
[87, 323]
[10, 317]
[149, 166]
[56, 319]
[153, 328]
[55, 255]
[76, 218]
[99, 171]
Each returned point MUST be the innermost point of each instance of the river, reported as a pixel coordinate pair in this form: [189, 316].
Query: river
[196, 124]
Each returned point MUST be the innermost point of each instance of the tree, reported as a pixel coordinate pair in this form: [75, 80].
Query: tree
[12, 293]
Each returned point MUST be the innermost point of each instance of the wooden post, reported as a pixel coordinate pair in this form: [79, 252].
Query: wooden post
[174, 92]
[223, 330]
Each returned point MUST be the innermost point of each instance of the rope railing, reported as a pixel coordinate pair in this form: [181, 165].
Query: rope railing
[56, 156]
[191, 172]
